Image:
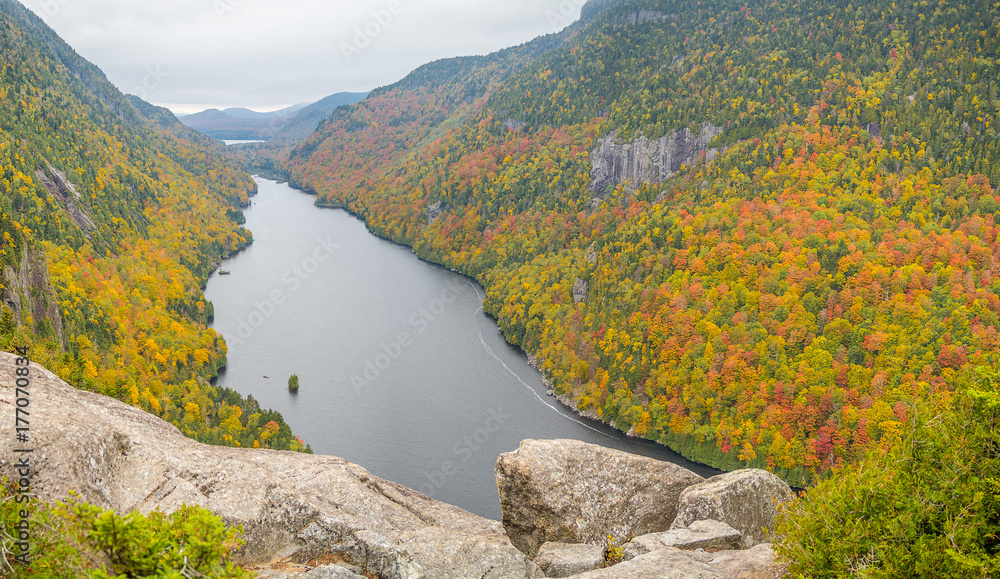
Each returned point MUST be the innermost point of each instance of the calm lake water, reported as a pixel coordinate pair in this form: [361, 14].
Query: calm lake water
[400, 369]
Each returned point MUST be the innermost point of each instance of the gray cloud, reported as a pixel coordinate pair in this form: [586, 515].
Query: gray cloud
[189, 55]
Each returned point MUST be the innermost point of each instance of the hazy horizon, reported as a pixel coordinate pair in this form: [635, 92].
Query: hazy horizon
[266, 55]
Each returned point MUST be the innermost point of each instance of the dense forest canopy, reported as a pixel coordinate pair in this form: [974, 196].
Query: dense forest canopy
[781, 300]
[132, 211]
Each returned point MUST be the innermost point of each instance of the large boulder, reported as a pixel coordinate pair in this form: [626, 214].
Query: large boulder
[746, 500]
[569, 491]
[699, 535]
[568, 559]
[301, 506]
[672, 563]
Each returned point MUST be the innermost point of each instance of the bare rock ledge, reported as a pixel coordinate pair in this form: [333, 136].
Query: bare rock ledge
[673, 563]
[301, 505]
[568, 559]
[699, 535]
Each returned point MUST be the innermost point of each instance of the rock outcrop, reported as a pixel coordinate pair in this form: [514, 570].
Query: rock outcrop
[699, 535]
[28, 292]
[643, 16]
[572, 492]
[568, 559]
[673, 563]
[297, 509]
[614, 162]
[580, 291]
[746, 500]
[65, 193]
[434, 211]
[758, 562]
[301, 506]
[324, 572]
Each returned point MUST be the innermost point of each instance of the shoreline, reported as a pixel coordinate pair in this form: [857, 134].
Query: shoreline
[571, 405]
[565, 401]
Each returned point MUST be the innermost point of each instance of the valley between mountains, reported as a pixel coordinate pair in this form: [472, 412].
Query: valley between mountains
[762, 234]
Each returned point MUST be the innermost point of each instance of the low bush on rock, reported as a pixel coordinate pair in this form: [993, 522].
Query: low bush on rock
[73, 539]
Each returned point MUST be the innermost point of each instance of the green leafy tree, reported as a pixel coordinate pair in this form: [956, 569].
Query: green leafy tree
[7, 322]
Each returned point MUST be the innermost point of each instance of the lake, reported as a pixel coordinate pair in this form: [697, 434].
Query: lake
[400, 369]
[230, 142]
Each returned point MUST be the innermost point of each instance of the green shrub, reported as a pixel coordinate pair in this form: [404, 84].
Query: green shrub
[928, 506]
[614, 551]
[74, 539]
[56, 551]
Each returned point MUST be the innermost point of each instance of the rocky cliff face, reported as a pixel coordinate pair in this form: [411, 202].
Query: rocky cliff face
[292, 506]
[614, 162]
[28, 291]
[65, 193]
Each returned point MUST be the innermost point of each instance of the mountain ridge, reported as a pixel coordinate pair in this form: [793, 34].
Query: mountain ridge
[288, 124]
[113, 214]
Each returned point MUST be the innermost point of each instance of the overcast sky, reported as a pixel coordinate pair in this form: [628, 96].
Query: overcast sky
[189, 55]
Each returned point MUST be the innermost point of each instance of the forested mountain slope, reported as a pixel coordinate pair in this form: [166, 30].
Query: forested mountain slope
[756, 231]
[119, 213]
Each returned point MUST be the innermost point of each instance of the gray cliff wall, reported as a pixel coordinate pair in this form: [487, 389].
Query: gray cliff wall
[614, 162]
[28, 291]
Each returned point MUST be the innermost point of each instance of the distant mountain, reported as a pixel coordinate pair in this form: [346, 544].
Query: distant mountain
[305, 122]
[245, 113]
[293, 123]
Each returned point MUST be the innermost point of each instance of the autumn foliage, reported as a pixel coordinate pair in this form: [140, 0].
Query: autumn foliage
[782, 305]
[133, 211]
